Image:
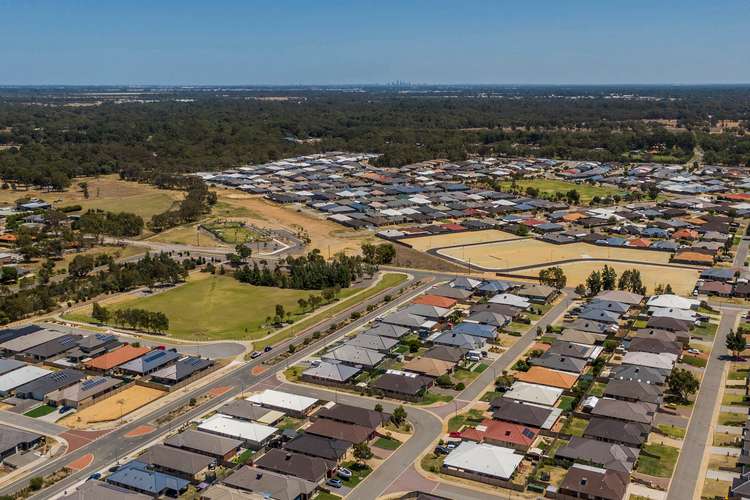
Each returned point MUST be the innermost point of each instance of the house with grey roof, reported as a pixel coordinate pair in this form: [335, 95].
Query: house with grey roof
[617, 431]
[625, 410]
[13, 440]
[96, 490]
[8, 365]
[386, 330]
[180, 371]
[354, 356]
[266, 483]
[178, 462]
[608, 455]
[461, 340]
[150, 362]
[220, 448]
[638, 373]
[327, 373]
[630, 390]
[83, 393]
[39, 388]
[561, 363]
[374, 342]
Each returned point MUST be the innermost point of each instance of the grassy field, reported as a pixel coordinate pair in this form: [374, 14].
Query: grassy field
[217, 307]
[186, 235]
[387, 281]
[551, 186]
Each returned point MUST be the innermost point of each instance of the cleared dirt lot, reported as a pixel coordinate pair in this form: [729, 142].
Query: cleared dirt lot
[323, 233]
[109, 409]
[424, 243]
[682, 280]
[529, 252]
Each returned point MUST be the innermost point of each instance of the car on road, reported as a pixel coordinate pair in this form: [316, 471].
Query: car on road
[267, 348]
[336, 483]
[255, 354]
[344, 473]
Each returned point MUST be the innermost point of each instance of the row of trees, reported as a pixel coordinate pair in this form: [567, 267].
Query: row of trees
[198, 201]
[118, 224]
[606, 279]
[116, 277]
[307, 272]
[383, 253]
[141, 319]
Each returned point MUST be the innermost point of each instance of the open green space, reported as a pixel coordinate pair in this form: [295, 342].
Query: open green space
[657, 460]
[552, 186]
[40, 411]
[233, 232]
[387, 443]
[387, 281]
[146, 205]
[219, 307]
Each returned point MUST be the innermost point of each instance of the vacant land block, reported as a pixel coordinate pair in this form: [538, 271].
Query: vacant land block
[529, 252]
[324, 234]
[106, 193]
[114, 407]
[466, 238]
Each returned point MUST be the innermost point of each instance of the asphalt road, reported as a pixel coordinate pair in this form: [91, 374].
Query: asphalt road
[31, 424]
[110, 448]
[686, 478]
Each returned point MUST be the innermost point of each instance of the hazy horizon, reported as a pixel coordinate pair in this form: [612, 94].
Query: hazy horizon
[329, 43]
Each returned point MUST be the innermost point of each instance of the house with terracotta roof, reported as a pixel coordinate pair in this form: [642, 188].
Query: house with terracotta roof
[115, 358]
[545, 376]
[502, 433]
[435, 300]
[638, 243]
[693, 256]
[685, 234]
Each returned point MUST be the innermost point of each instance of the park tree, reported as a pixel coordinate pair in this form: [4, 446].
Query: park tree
[682, 383]
[553, 276]
[736, 343]
[594, 283]
[609, 278]
[81, 265]
[100, 313]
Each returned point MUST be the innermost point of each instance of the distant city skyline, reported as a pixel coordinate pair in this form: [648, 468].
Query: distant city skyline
[355, 43]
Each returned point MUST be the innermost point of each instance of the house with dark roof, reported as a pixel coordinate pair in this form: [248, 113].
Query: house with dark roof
[50, 349]
[625, 410]
[138, 476]
[608, 455]
[220, 448]
[585, 482]
[151, 362]
[96, 490]
[39, 388]
[334, 429]
[312, 469]
[178, 462]
[541, 416]
[260, 482]
[617, 431]
[638, 373]
[323, 447]
[445, 353]
[13, 440]
[629, 390]
[84, 393]
[402, 385]
[182, 370]
[354, 415]
[561, 363]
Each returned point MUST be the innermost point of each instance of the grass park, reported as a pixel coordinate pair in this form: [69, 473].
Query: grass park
[552, 186]
[215, 307]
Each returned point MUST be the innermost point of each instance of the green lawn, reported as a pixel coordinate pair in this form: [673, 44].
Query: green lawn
[657, 460]
[733, 399]
[40, 411]
[326, 496]
[551, 186]
[694, 361]
[387, 443]
[389, 280]
[734, 419]
[431, 397]
[575, 426]
[671, 431]
[709, 330]
[490, 396]
[457, 421]
[244, 457]
[566, 403]
[359, 473]
[481, 367]
[146, 205]
[234, 232]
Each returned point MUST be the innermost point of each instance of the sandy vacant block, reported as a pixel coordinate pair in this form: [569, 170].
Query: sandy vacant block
[324, 234]
[530, 252]
[682, 280]
[112, 408]
[466, 238]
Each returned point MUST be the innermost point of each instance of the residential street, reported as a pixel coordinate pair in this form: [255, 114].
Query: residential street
[687, 477]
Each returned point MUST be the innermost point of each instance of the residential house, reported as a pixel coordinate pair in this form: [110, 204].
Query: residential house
[611, 456]
[351, 355]
[312, 469]
[221, 449]
[291, 404]
[401, 385]
[482, 462]
[332, 374]
[178, 462]
[268, 484]
[253, 435]
[586, 482]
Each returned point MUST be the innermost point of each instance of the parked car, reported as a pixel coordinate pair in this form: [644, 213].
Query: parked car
[441, 450]
[94, 476]
[336, 483]
[694, 351]
[344, 473]
[255, 354]
[455, 434]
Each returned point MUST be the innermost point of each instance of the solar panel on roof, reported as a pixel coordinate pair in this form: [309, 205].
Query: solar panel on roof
[88, 384]
[527, 433]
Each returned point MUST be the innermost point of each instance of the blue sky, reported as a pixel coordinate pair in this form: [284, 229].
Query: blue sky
[350, 42]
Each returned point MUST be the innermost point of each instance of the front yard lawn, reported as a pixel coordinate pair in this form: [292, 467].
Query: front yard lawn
[40, 411]
[671, 431]
[734, 419]
[359, 473]
[657, 460]
[387, 443]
